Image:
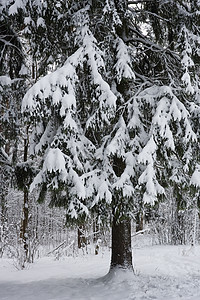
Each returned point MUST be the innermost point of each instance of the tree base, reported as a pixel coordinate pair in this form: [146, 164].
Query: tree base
[121, 257]
[118, 275]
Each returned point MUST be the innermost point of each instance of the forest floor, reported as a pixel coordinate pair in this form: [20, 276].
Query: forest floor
[161, 273]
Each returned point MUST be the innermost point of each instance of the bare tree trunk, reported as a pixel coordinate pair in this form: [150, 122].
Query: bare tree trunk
[121, 245]
[24, 224]
[81, 238]
[121, 227]
[139, 221]
[24, 221]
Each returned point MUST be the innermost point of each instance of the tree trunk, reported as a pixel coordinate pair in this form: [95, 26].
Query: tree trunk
[24, 221]
[81, 238]
[121, 228]
[24, 225]
[139, 221]
[121, 245]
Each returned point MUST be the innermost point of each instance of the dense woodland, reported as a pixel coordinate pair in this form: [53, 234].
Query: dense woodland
[99, 130]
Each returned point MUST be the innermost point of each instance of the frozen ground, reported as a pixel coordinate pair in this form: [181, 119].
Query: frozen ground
[161, 272]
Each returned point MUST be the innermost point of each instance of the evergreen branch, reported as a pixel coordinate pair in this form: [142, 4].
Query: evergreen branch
[8, 43]
[150, 13]
[5, 162]
[144, 78]
[144, 40]
[149, 44]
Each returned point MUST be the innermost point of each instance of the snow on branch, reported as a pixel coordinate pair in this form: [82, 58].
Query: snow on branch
[195, 179]
[168, 108]
[54, 161]
[123, 65]
[15, 6]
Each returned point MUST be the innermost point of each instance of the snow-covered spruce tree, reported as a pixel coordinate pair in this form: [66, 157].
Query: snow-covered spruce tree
[11, 61]
[14, 147]
[43, 25]
[182, 34]
[11, 91]
[112, 125]
[24, 19]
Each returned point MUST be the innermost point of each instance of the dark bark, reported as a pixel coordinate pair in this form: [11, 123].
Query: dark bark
[96, 233]
[139, 221]
[24, 221]
[121, 226]
[24, 225]
[121, 245]
[81, 238]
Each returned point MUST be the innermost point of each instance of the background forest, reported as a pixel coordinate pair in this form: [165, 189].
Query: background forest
[99, 110]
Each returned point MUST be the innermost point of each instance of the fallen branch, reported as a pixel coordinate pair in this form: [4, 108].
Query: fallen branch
[140, 232]
[59, 246]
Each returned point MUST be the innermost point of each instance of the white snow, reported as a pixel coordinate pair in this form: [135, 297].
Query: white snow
[161, 272]
[54, 161]
[146, 155]
[41, 22]
[195, 179]
[14, 7]
[5, 80]
[123, 66]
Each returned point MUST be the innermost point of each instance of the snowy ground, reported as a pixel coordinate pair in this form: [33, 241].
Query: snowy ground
[161, 272]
